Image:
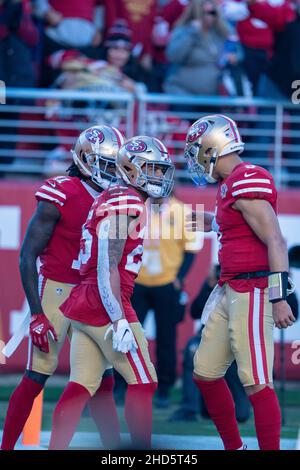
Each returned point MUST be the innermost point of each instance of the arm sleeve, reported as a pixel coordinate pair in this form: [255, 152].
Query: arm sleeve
[52, 192]
[276, 17]
[254, 183]
[185, 265]
[132, 206]
[172, 10]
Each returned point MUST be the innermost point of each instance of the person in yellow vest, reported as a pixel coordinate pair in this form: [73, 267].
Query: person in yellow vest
[168, 255]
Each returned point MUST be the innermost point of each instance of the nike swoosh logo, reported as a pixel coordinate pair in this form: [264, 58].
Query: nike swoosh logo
[249, 174]
[52, 184]
[126, 331]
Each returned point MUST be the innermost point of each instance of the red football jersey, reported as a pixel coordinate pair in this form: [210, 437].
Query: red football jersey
[240, 250]
[84, 303]
[73, 198]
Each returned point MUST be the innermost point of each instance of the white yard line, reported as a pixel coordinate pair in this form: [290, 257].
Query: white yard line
[90, 440]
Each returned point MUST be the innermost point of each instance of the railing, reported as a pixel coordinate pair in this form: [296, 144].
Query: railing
[38, 127]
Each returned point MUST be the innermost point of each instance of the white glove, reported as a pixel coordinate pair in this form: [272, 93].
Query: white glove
[123, 339]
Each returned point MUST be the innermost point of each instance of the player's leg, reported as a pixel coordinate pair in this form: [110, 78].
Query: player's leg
[40, 366]
[212, 359]
[139, 373]
[103, 409]
[165, 306]
[242, 403]
[87, 367]
[140, 391]
[251, 334]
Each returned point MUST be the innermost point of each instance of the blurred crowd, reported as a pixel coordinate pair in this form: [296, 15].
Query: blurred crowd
[190, 47]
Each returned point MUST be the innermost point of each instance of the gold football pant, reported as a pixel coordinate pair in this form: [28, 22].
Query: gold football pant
[91, 353]
[240, 327]
[52, 294]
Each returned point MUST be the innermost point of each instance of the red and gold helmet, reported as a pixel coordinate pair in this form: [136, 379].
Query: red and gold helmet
[95, 154]
[144, 163]
[208, 139]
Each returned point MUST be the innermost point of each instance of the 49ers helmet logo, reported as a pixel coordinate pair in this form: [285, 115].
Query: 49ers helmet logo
[136, 146]
[197, 131]
[94, 135]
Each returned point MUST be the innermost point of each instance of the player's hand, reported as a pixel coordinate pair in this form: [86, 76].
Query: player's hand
[282, 314]
[194, 221]
[122, 336]
[39, 329]
[53, 17]
[97, 39]
[177, 284]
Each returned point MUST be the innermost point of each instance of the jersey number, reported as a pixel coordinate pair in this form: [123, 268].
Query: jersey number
[131, 264]
[85, 246]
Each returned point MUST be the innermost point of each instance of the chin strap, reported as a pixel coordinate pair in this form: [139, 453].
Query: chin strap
[212, 164]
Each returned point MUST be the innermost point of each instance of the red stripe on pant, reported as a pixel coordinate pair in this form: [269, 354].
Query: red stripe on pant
[134, 367]
[262, 338]
[145, 367]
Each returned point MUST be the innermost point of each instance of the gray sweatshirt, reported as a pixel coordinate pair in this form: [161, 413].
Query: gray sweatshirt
[195, 57]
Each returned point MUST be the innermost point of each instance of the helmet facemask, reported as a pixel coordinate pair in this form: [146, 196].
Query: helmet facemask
[95, 154]
[148, 181]
[208, 139]
[103, 170]
[200, 174]
[83, 168]
[138, 162]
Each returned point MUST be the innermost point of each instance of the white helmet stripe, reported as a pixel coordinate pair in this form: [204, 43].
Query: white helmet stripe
[119, 136]
[79, 163]
[232, 126]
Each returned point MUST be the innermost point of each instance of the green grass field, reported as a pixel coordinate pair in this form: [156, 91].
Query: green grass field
[161, 425]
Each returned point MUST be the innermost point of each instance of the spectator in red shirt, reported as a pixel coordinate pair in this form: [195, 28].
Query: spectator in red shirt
[18, 36]
[69, 25]
[140, 16]
[278, 83]
[256, 23]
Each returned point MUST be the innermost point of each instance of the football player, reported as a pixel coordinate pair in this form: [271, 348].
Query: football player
[253, 286]
[105, 326]
[54, 234]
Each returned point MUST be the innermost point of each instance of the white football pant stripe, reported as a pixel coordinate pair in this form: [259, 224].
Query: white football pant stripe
[139, 366]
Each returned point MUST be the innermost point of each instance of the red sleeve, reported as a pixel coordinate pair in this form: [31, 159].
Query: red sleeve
[126, 203]
[27, 31]
[110, 14]
[52, 191]
[276, 17]
[172, 10]
[254, 183]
